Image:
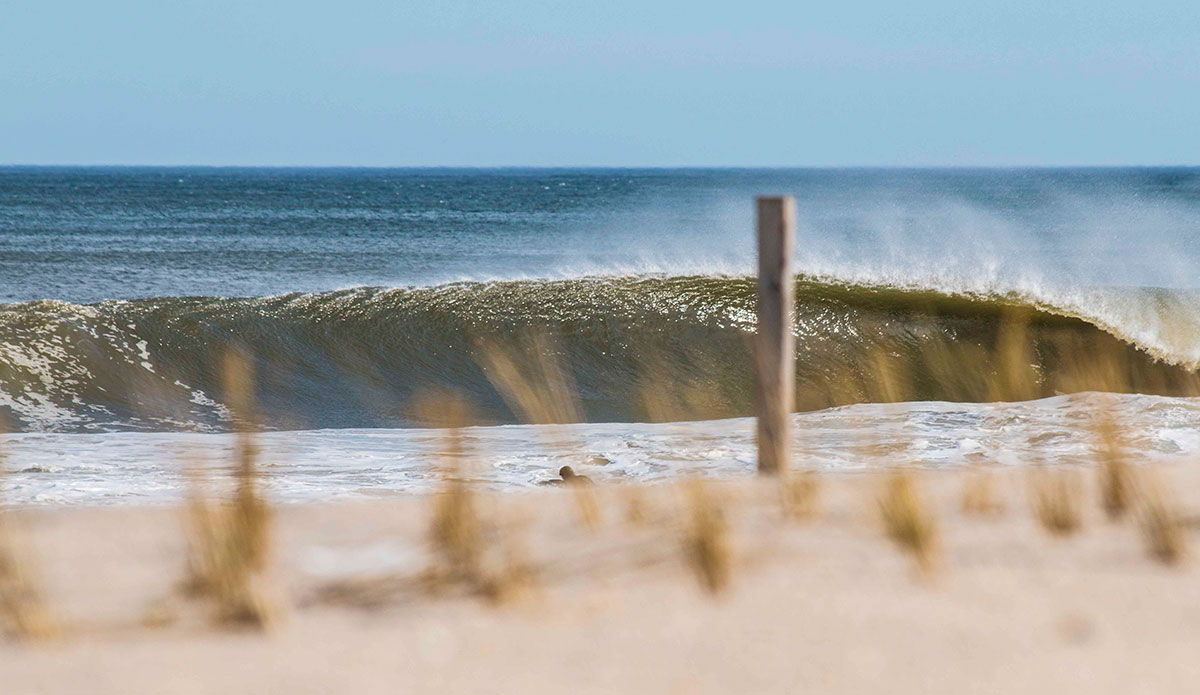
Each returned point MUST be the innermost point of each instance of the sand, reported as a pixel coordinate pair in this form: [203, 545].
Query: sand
[820, 605]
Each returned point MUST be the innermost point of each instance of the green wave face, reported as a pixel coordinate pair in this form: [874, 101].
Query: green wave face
[624, 349]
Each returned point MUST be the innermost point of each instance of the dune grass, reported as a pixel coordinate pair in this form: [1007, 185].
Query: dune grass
[1056, 499]
[800, 494]
[230, 541]
[1115, 475]
[473, 548]
[24, 612]
[1160, 522]
[907, 520]
[980, 497]
[707, 544]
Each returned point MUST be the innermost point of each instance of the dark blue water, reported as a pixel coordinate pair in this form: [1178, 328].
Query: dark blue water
[87, 234]
[354, 290]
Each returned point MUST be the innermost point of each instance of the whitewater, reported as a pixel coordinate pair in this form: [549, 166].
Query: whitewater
[354, 291]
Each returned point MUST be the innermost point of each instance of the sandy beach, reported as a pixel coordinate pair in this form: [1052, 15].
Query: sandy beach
[826, 603]
[599, 348]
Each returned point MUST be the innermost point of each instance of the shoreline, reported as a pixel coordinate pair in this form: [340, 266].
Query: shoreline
[307, 466]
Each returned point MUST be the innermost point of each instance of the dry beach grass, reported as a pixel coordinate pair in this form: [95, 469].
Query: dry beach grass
[627, 608]
[798, 581]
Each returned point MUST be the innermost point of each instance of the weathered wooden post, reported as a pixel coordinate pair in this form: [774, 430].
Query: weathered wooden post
[774, 350]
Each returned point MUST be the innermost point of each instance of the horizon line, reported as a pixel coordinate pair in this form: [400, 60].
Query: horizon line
[612, 167]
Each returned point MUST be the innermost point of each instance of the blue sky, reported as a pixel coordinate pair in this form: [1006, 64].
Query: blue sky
[611, 83]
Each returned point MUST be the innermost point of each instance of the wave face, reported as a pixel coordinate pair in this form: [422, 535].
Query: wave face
[355, 358]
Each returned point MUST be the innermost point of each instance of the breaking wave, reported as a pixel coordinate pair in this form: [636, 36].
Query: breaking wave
[354, 358]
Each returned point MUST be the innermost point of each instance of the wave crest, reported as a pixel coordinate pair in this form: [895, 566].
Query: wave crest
[354, 358]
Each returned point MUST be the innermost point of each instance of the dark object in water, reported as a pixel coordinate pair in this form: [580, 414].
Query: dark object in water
[569, 477]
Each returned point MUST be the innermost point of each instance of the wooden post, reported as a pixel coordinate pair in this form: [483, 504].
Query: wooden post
[775, 343]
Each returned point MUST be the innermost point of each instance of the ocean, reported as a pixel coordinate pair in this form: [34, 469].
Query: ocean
[354, 291]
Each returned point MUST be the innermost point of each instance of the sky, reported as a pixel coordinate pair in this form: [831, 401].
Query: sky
[613, 83]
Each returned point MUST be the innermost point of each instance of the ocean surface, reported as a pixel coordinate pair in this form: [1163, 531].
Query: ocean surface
[355, 291]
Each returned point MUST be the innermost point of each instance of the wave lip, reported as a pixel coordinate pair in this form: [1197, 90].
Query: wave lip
[354, 357]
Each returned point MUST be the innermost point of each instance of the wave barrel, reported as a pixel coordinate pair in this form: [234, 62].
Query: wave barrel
[774, 348]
